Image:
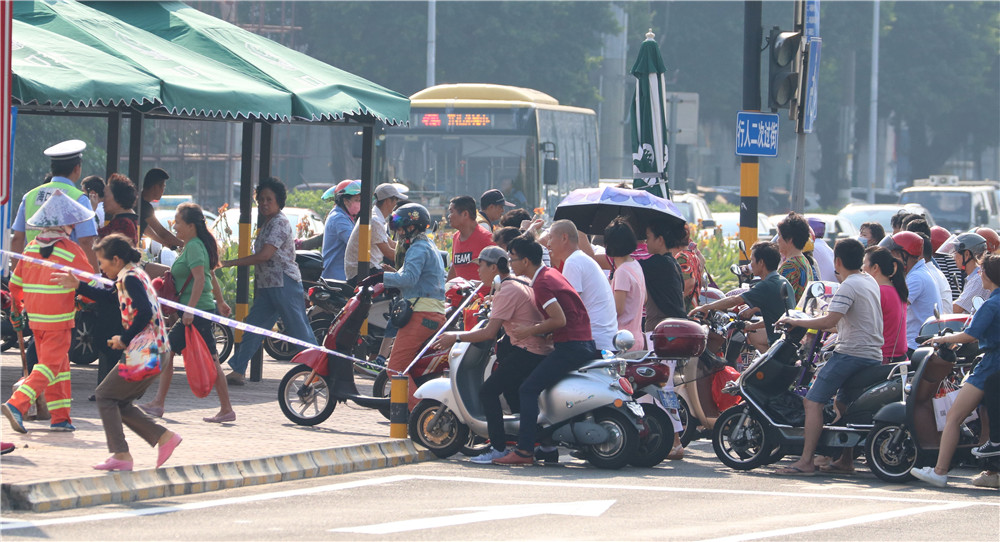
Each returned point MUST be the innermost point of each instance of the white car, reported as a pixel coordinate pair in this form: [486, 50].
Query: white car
[859, 213]
[729, 223]
[694, 209]
[305, 223]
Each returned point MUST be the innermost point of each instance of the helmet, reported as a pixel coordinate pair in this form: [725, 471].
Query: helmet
[346, 187]
[971, 242]
[992, 239]
[906, 242]
[938, 236]
[817, 226]
[411, 214]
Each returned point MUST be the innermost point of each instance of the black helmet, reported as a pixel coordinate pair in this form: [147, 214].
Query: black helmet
[411, 214]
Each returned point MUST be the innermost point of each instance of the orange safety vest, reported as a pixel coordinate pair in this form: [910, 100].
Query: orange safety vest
[49, 306]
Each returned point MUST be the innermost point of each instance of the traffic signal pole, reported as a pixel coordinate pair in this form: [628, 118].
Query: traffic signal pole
[799, 181]
[753, 34]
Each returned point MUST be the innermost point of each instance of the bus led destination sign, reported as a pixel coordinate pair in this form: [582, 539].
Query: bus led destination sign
[456, 120]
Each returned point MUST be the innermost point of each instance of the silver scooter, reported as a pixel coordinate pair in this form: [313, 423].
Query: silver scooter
[590, 409]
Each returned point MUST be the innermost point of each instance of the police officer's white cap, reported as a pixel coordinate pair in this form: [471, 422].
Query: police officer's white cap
[67, 150]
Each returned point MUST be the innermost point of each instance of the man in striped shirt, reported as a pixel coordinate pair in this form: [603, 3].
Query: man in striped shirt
[51, 309]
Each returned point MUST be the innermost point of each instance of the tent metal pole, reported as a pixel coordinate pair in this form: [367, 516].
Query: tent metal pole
[114, 142]
[368, 142]
[135, 148]
[246, 204]
[263, 172]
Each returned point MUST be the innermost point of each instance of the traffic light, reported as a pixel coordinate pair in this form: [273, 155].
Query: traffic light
[783, 77]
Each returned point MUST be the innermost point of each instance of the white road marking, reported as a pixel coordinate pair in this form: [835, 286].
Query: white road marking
[13, 525]
[485, 513]
[841, 523]
[469, 479]
[201, 505]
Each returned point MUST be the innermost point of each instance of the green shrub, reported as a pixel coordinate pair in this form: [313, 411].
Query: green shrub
[719, 255]
[310, 199]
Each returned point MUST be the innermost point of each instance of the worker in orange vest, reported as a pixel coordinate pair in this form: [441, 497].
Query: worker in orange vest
[50, 308]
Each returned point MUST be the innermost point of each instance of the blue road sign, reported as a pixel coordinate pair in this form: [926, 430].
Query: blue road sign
[812, 19]
[756, 134]
[812, 84]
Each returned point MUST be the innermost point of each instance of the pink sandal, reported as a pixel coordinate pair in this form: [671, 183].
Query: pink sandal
[114, 464]
[164, 451]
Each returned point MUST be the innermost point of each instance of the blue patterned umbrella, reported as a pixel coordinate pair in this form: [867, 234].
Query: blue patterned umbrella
[592, 209]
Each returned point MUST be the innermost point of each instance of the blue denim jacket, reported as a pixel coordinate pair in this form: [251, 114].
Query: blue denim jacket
[985, 325]
[422, 274]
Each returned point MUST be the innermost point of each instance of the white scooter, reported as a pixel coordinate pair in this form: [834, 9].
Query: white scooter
[590, 409]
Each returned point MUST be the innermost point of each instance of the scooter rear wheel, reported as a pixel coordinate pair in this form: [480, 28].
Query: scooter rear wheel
[689, 423]
[741, 441]
[444, 436]
[655, 446]
[891, 452]
[622, 445]
[302, 402]
[380, 388]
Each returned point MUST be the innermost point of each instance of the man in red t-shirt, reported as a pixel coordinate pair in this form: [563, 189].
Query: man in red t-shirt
[468, 241]
[565, 317]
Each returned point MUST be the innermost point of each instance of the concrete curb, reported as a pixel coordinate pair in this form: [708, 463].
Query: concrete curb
[123, 487]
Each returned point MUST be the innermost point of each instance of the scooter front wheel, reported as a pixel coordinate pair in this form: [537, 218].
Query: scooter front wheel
[740, 440]
[303, 401]
[658, 440]
[891, 452]
[622, 443]
[434, 426]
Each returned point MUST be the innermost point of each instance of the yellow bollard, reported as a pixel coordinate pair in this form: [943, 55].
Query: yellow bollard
[399, 412]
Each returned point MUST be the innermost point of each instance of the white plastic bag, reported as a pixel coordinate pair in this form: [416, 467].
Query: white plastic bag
[943, 404]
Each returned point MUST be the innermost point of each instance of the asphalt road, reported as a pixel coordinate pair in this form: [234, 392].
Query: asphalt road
[694, 499]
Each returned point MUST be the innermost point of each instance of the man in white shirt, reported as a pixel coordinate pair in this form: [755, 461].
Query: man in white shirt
[387, 196]
[822, 252]
[587, 279]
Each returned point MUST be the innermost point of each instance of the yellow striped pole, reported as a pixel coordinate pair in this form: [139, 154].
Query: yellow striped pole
[399, 413]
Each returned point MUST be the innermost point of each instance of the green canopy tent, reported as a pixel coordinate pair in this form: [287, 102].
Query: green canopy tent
[191, 84]
[49, 69]
[319, 91]
[233, 89]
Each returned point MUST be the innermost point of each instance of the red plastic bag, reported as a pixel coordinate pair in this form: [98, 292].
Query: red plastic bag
[719, 381]
[198, 363]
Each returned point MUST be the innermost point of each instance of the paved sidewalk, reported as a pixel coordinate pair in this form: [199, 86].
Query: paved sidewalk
[260, 429]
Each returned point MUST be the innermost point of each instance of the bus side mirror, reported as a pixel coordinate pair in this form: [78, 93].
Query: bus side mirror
[550, 171]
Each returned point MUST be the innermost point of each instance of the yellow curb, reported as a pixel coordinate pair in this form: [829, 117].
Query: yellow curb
[123, 487]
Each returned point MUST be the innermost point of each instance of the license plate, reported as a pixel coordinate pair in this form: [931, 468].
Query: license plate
[635, 408]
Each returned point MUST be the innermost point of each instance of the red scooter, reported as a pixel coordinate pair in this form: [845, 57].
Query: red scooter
[310, 391]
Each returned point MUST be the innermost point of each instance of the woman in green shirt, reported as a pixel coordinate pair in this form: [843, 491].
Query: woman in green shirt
[193, 270]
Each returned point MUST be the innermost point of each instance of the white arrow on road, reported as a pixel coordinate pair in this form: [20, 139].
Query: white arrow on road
[485, 513]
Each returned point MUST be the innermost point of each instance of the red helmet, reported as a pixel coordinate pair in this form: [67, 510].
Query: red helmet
[938, 236]
[905, 241]
[992, 239]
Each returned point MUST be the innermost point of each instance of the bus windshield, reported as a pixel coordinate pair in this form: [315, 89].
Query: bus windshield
[438, 167]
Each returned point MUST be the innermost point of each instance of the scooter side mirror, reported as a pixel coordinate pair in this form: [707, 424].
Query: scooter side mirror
[624, 340]
[937, 312]
[977, 302]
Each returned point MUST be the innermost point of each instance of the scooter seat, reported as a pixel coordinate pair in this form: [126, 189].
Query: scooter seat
[337, 285]
[860, 381]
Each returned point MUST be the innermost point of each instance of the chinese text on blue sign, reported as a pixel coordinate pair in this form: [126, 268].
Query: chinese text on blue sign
[756, 134]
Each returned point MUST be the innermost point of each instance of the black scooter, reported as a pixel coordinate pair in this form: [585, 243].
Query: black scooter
[767, 424]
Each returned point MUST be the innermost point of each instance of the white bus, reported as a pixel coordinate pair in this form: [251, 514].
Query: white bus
[464, 139]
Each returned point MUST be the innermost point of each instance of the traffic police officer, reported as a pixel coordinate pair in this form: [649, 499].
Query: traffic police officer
[66, 169]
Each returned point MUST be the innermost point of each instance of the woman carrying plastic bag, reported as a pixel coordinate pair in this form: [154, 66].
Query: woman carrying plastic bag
[144, 342]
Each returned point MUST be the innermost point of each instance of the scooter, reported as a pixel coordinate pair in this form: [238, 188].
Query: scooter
[674, 340]
[590, 409]
[310, 391]
[767, 424]
[905, 435]
[310, 264]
